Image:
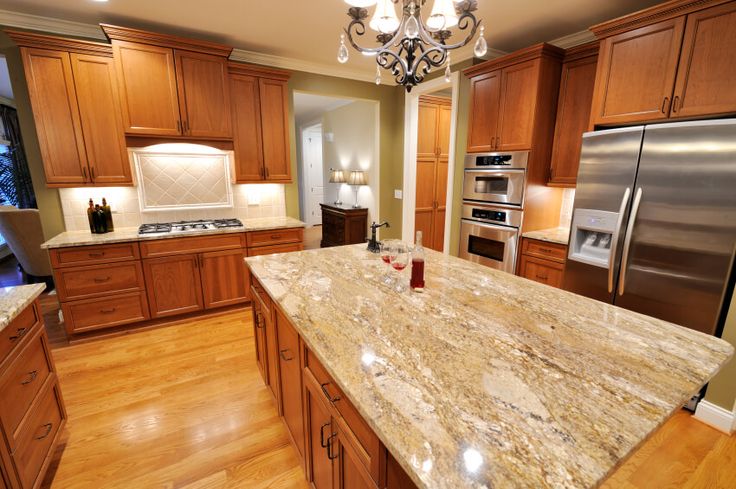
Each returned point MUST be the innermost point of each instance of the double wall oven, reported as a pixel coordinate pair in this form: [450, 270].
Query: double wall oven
[493, 199]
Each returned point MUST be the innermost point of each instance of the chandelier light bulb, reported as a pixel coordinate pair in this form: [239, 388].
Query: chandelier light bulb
[384, 18]
[342, 51]
[361, 3]
[443, 15]
[481, 46]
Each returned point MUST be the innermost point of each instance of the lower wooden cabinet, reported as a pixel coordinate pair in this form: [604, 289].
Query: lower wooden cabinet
[343, 225]
[318, 433]
[543, 262]
[221, 284]
[291, 379]
[259, 333]
[173, 284]
[348, 471]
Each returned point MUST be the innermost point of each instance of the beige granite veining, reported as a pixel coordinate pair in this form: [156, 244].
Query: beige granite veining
[486, 379]
[552, 235]
[14, 299]
[121, 235]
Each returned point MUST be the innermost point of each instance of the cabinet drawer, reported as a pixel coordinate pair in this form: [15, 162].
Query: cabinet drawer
[543, 271]
[193, 244]
[369, 445]
[105, 312]
[97, 280]
[543, 249]
[22, 381]
[275, 236]
[259, 294]
[37, 435]
[270, 250]
[21, 326]
[90, 255]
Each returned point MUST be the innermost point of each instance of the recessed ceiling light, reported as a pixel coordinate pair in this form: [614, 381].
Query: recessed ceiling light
[99, 1]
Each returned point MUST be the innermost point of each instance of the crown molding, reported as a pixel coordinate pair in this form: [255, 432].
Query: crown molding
[574, 39]
[48, 24]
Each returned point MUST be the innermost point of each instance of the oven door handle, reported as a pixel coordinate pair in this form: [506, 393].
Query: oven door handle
[508, 229]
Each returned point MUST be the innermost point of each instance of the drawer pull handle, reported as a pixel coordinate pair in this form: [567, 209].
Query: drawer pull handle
[332, 400]
[259, 321]
[322, 435]
[282, 354]
[275, 236]
[108, 311]
[97, 255]
[331, 444]
[49, 427]
[31, 377]
[19, 333]
[102, 280]
[542, 277]
[546, 250]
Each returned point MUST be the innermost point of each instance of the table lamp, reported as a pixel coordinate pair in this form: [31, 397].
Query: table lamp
[337, 176]
[356, 179]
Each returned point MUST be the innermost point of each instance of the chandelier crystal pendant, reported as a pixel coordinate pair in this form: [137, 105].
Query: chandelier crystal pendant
[408, 46]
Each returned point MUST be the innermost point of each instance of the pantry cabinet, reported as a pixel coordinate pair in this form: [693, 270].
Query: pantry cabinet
[76, 108]
[261, 126]
[674, 60]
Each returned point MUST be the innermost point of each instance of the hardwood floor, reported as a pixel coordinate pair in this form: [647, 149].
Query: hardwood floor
[183, 406]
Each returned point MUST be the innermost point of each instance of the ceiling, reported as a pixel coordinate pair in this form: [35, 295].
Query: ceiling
[309, 30]
[308, 107]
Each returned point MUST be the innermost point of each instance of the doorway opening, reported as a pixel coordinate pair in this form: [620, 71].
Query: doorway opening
[429, 157]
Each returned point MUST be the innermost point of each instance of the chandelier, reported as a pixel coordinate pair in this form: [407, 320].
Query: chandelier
[410, 46]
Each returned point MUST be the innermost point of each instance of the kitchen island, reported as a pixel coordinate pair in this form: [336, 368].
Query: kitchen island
[487, 379]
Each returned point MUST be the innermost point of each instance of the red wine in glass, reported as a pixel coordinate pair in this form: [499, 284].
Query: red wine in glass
[398, 265]
[386, 258]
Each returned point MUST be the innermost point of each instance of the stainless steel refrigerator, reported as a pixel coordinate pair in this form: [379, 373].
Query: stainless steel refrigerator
[654, 221]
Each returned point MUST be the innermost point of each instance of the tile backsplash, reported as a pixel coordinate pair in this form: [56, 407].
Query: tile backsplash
[568, 199]
[249, 201]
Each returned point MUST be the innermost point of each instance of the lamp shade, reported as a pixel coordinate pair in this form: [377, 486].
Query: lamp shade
[357, 177]
[443, 15]
[384, 18]
[337, 176]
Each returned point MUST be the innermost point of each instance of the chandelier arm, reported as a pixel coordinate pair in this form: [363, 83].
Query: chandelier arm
[383, 61]
[359, 27]
[430, 61]
[464, 22]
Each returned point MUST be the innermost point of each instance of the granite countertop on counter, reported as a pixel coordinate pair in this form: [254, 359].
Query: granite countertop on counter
[552, 235]
[486, 379]
[122, 235]
[13, 300]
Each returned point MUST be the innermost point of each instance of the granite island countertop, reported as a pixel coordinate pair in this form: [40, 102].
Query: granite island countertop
[487, 379]
[558, 235]
[13, 300]
[126, 234]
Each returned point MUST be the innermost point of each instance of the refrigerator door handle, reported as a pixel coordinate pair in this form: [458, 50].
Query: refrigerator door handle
[614, 245]
[627, 241]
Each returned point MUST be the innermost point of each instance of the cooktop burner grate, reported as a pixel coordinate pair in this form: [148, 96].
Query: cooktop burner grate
[188, 226]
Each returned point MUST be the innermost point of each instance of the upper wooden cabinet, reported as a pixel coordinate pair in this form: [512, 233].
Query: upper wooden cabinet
[669, 61]
[76, 109]
[171, 86]
[504, 97]
[261, 125]
[573, 112]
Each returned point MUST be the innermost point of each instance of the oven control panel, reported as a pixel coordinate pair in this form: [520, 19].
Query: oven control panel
[489, 215]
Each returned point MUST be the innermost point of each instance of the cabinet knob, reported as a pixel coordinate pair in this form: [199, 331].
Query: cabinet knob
[282, 354]
[675, 103]
[664, 105]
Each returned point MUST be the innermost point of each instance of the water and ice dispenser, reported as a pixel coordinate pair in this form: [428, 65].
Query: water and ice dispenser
[593, 236]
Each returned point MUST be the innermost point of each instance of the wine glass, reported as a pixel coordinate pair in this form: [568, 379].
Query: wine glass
[400, 261]
[388, 255]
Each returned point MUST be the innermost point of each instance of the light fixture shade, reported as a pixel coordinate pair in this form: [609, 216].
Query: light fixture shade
[361, 3]
[357, 177]
[384, 18]
[443, 15]
[337, 176]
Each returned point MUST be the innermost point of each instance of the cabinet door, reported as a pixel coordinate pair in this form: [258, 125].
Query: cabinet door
[259, 335]
[518, 104]
[54, 102]
[173, 285]
[223, 279]
[318, 430]
[275, 129]
[542, 271]
[204, 95]
[247, 138]
[636, 73]
[102, 122]
[272, 357]
[427, 143]
[425, 199]
[147, 80]
[396, 477]
[443, 137]
[573, 116]
[707, 74]
[485, 93]
[349, 473]
[291, 380]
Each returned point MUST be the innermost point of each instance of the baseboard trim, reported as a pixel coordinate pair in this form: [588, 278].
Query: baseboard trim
[715, 416]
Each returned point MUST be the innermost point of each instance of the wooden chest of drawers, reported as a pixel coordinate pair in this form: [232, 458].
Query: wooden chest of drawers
[343, 225]
[32, 411]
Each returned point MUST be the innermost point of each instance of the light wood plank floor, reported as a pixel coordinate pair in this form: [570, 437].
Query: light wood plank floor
[184, 406]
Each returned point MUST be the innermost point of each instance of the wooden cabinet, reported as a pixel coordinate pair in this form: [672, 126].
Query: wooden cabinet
[318, 431]
[173, 284]
[221, 284]
[261, 125]
[32, 413]
[343, 225]
[291, 379]
[432, 167]
[543, 262]
[76, 109]
[573, 112]
[396, 477]
[171, 86]
[670, 61]
[348, 471]
[485, 102]
[518, 105]
[261, 308]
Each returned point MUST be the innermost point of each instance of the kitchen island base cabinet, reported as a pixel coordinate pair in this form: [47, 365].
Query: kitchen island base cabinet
[291, 380]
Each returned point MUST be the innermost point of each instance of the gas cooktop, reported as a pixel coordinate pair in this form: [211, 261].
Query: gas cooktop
[188, 226]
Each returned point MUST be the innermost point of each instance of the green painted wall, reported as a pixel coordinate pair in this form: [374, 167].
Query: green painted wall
[391, 136]
[722, 389]
[461, 144]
